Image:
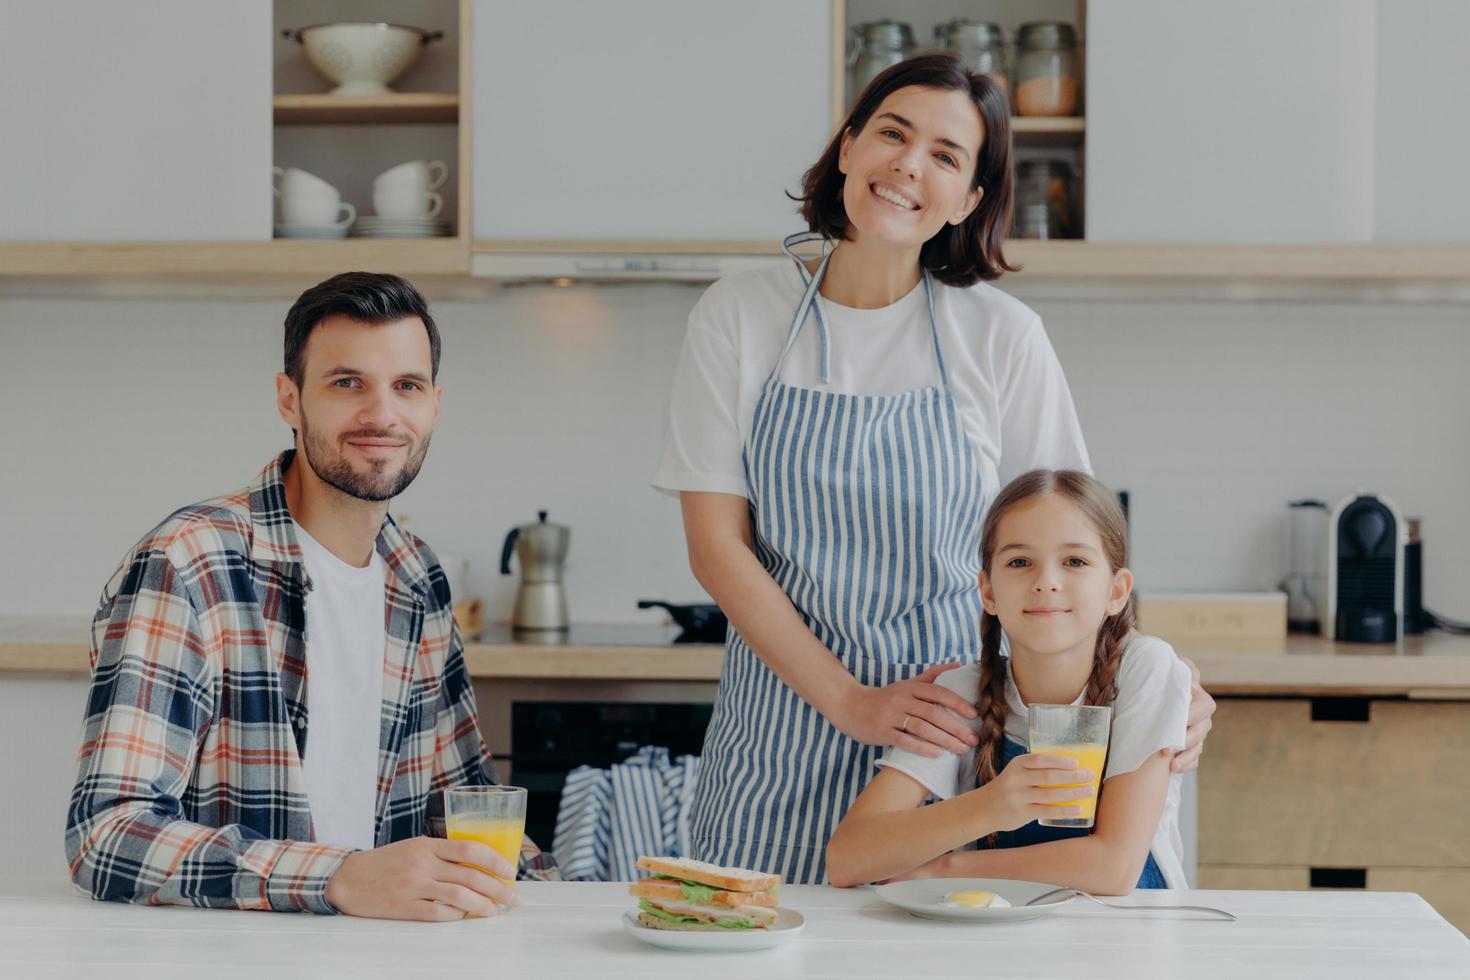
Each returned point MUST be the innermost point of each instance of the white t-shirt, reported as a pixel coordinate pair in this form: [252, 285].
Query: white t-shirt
[1013, 400]
[346, 639]
[1150, 713]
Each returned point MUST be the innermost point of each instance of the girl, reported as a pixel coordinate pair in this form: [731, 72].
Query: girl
[836, 429]
[1053, 576]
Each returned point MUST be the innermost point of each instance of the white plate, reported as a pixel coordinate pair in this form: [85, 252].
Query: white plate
[788, 925]
[924, 897]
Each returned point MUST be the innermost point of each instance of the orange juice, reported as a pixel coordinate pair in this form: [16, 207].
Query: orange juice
[501, 833]
[1089, 756]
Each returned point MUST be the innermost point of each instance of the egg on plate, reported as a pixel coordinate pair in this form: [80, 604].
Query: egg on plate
[974, 899]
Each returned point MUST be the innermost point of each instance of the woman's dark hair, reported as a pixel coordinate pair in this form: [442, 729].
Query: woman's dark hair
[369, 297]
[957, 254]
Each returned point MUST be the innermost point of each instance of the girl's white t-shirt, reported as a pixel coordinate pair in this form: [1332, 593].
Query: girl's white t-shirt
[1150, 713]
[1014, 404]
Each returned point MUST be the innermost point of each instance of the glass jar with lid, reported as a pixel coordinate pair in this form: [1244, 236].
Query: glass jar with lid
[980, 45]
[875, 46]
[1046, 200]
[1046, 72]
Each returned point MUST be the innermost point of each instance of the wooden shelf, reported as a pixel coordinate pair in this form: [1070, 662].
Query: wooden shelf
[398, 108]
[1049, 130]
[233, 260]
[1108, 260]
[1118, 261]
[1062, 260]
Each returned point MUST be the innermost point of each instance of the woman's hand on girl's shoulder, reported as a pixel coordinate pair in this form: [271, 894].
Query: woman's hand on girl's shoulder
[1019, 794]
[918, 715]
[1201, 720]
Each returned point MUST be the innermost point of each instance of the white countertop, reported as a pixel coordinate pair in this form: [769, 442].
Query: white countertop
[574, 930]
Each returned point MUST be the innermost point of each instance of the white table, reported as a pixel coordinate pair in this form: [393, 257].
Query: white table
[574, 930]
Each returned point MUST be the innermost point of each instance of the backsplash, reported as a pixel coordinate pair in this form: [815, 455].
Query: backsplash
[1211, 412]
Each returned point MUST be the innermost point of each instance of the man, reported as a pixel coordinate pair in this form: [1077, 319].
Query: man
[279, 695]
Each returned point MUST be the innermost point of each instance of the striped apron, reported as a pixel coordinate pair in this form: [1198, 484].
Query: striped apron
[866, 511]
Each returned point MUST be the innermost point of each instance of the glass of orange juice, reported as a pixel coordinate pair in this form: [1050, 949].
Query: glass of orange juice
[1076, 731]
[493, 815]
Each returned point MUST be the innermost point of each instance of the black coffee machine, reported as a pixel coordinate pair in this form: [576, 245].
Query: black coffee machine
[1366, 541]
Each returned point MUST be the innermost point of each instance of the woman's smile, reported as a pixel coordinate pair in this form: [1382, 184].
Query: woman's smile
[892, 195]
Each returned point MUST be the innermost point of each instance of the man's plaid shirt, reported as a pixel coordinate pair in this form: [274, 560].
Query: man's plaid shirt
[190, 787]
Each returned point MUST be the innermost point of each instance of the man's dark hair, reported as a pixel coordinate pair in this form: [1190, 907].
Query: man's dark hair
[957, 254]
[368, 297]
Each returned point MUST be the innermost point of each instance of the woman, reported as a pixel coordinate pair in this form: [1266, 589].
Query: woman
[837, 428]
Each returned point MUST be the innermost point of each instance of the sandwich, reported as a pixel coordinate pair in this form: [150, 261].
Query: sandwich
[691, 895]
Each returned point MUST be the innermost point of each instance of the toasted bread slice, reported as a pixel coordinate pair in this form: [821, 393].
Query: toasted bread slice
[730, 879]
[661, 892]
[762, 918]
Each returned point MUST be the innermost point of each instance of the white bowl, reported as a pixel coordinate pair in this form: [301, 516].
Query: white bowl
[362, 58]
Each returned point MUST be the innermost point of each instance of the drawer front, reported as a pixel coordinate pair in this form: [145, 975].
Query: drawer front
[1448, 890]
[1253, 878]
[1277, 788]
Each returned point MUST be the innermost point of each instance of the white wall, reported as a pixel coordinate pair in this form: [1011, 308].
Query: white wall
[1213, 412]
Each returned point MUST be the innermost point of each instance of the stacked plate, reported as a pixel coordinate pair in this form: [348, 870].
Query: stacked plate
[377, 226]
[310, 231]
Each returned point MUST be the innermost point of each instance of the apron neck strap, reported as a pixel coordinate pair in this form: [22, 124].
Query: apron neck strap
[809, 304]
[934, 327]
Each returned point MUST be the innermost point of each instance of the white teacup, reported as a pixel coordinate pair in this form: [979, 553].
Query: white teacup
[306, 199]
[406, 202]
[417, 174]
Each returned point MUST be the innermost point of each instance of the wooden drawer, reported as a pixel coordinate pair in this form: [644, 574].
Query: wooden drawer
[1447, 889]
[1277, 788]
[1253, 878]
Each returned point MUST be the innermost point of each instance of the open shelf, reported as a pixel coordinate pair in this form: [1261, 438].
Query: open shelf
[398, 108]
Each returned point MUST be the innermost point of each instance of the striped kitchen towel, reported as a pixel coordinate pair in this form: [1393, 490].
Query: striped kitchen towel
[608, 817]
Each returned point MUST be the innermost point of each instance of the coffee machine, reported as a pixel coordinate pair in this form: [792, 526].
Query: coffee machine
[1366, 541]
[541, 601]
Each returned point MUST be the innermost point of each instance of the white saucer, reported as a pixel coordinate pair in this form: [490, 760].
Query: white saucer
[374, 219]
[924, 897]
[284, 230]
[375, 226]
[787, 927]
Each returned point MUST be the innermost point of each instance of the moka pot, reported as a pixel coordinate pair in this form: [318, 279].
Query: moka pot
[541, 601]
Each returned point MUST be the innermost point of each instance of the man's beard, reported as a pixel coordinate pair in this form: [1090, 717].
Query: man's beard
[336, 470]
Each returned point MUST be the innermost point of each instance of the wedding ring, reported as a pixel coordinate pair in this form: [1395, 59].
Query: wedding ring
[905, 726]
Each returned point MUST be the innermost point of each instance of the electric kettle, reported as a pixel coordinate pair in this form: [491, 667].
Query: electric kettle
[541, 602]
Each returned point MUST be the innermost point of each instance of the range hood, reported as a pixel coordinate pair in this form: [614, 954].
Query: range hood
[613, 266]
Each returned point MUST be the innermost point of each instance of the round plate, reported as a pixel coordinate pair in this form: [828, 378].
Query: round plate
[924, 897]
[787, 927]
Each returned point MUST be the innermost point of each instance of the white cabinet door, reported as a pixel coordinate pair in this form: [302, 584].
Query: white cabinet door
[1246, 121]
[135, 121]
[1422, 122]
[646, 119]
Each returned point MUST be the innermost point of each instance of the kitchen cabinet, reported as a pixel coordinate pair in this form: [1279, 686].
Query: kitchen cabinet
[1420, 122]
[646, 119]
[1247, 141]
[135, 123]
[1230, 122]
[1372, 792]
